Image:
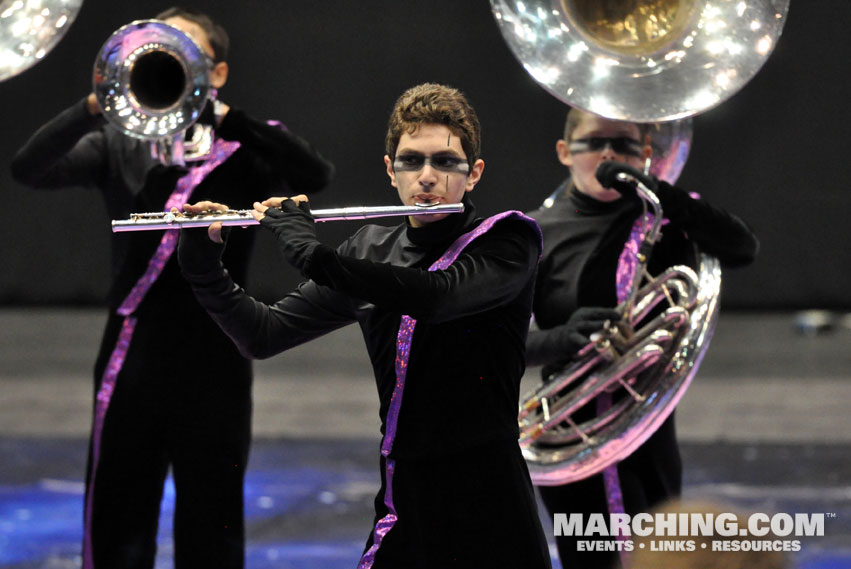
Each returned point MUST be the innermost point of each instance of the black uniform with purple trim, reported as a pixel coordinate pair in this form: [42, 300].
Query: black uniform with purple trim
[460, 488]
[165, 411]
[583, 240]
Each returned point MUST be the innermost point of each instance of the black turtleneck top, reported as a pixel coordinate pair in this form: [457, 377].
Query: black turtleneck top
[584, 238]
[467, 352]
[76, 148]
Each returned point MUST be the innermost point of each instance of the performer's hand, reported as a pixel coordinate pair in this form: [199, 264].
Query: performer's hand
[675, 201]
[92, 104]
[607, 176]
[220, 111]
[583, 323]
[214, 231]
[294, 228]
[197, 253]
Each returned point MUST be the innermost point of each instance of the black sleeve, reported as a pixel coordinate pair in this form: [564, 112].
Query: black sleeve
[714, 230]
[69, 150]
[288, 155]
[546, 346]
[491, 271]
[257, 329]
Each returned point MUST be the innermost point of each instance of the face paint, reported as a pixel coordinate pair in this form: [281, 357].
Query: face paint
[449, 163]
[620, 145]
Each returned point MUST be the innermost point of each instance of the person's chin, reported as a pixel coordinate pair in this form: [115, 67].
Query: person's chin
[426, 219]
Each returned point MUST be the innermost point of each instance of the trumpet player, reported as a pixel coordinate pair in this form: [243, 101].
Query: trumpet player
[152, 412]
[584, 264]
[444, 304]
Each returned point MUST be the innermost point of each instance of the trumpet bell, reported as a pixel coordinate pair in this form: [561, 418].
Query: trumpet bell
[151, 80]
[641, 60]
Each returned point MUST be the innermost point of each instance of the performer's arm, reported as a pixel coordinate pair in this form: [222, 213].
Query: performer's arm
[492, 270]
[257, 329]
[286, 154]
[561, 343]
[716, 231]
[67, 151]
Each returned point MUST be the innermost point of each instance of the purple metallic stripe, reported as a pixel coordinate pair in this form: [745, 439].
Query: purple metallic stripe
[107, 386]
[221, 151]
[403, 351]
[385, 524]
[456, 248]
[184, 188]
[628, 260]
[627, 265]
[612, 483]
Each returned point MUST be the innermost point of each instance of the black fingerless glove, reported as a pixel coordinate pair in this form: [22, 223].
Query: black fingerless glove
[675, 201]
[607, 173]
[197, 254]
[294, 230]
[558, 345]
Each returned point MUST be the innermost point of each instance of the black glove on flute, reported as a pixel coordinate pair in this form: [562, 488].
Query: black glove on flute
[197, 254]
[295, 231]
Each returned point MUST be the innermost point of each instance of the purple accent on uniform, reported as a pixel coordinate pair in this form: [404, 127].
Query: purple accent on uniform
[403, 352]
[627, 265]
[612, 482]
[384, 524]
[628, 261]
[107, 386]
[278, 124]
[221, 151]
[184, 188]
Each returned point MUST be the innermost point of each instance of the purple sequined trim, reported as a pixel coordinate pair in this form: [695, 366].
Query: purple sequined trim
[384, 524]
[627, 265]
[185, 186]
[628, 260]
[403, 351]
[183, 190]
[612, 482]
[107, 386]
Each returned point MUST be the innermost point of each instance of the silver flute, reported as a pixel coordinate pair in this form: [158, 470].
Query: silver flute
[242, 217]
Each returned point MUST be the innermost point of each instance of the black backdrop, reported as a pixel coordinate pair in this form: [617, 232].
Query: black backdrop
[331, 70]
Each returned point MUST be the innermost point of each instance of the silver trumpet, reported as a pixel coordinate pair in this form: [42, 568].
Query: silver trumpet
[152, 82]
[242, 217]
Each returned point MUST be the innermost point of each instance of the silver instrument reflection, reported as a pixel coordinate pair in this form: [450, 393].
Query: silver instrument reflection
[29, 29]
[242, 218]
[641, 60]
[646, 366]
[668, 145]
[152, 82]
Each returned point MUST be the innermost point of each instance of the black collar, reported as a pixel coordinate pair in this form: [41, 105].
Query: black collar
[446, 230]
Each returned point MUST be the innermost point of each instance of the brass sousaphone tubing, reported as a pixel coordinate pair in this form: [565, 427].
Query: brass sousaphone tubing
[242, 218]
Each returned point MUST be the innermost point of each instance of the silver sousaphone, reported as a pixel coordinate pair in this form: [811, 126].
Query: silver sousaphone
[152, 82]
[648, 61]
[29, 29]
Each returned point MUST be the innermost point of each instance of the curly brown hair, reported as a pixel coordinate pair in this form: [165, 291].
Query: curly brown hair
[431, 103]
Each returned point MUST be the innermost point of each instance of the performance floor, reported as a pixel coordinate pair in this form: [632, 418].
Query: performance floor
[764, 427]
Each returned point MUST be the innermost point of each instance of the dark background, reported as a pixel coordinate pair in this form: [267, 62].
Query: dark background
[774, 154]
